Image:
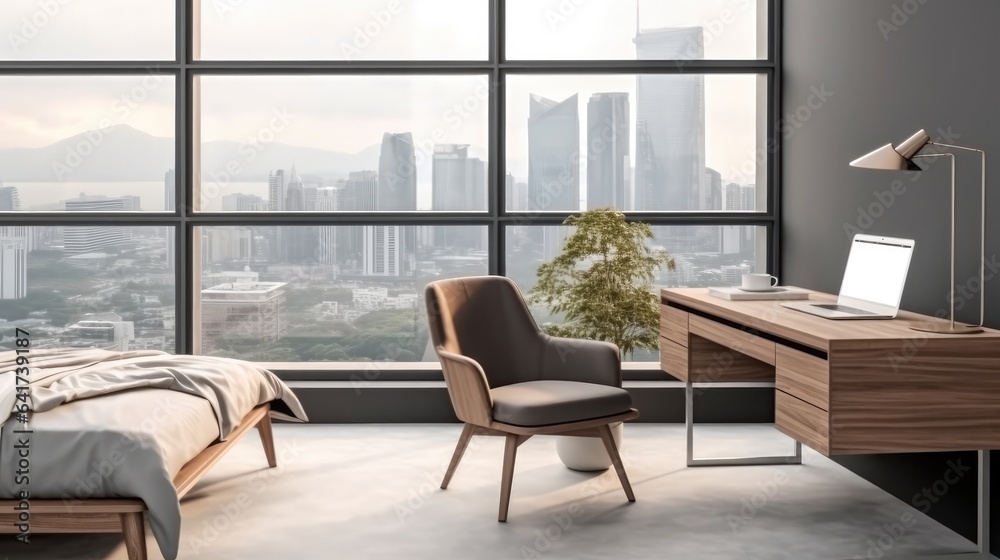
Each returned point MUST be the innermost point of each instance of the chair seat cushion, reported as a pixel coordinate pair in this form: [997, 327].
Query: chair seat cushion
[541, 403]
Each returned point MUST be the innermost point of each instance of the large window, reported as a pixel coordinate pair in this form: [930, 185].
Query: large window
[279, 180]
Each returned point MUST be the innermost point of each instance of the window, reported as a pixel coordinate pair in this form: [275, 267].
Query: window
[280, 179]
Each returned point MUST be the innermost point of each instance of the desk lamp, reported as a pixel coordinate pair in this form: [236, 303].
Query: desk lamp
[901, 159]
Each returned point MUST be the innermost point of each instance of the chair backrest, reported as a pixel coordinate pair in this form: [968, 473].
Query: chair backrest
[485, 318]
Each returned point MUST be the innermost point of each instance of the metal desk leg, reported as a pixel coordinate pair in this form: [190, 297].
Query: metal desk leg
[795, 459]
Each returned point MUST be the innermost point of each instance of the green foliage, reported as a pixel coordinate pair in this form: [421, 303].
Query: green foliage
[602, 281]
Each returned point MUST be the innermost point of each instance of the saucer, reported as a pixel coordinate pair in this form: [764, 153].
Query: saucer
[764, 290]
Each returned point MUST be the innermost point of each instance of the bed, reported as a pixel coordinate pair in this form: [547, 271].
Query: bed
[118, 438]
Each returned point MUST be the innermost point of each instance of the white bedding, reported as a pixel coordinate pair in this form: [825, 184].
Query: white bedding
[109, 424]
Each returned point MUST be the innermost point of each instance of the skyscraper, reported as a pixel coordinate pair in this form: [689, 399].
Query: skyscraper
[10, 201]
[607, 150]
[13, 267]
[91, 239]
[458, 183]
[391, 250]
[357, 193]
[553, 154]
[277, 187]
[298, 243]
[397, 173]
[670, 124]
[239, 202]
[169, 190]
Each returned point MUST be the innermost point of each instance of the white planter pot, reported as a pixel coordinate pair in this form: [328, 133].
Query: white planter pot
[587, 453]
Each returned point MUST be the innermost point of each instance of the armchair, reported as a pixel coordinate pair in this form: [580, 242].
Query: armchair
[507, 377]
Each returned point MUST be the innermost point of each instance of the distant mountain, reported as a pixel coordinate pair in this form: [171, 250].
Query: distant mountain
[123, 153]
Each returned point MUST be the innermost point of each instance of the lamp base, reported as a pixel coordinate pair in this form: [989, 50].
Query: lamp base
[948, 328]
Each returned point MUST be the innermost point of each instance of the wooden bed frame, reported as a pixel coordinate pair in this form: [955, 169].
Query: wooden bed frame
[101, 515]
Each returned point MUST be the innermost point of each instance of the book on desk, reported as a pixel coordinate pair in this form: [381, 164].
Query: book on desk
[778, 292]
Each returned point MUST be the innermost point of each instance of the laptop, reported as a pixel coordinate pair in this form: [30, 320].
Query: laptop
[873, 280]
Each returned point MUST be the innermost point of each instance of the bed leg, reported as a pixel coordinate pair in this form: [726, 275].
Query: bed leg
[267, 439]
[134, 531]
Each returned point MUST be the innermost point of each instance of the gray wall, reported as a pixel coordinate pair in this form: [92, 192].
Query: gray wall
[888, 68]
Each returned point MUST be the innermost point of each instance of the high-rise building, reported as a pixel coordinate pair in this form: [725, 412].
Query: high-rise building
[277, 187]
[343, 245]
[391, 250]
[553, 154]
[13, 267]
[670, 124]
[169, 190]
[713, 190]
[252, 311]
[298, 242]
[608, 151]
[458, 183]
[382, 255]
[224, 244]
[10, 201]
[239, 202]
[516, 194]
[106, 331]
[93, 239]
[397, 173]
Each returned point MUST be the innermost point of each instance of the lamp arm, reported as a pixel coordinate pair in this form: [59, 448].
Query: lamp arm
[982, 229]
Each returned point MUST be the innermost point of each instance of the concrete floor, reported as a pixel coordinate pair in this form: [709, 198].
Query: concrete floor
[371, 492]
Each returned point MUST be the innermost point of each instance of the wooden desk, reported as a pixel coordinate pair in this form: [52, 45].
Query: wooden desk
[842, 387]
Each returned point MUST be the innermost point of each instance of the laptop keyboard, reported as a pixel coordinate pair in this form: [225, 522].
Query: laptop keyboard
[844, 308]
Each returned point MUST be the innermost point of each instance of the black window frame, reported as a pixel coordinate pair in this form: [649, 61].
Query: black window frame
[184, 69]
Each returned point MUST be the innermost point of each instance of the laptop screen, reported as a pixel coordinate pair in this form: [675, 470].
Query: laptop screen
[876, 269]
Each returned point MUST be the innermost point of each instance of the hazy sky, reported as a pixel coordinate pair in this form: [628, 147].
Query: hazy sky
[351, 113]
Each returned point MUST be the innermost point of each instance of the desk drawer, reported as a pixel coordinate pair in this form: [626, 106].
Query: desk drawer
[803, 376]
[802, 421]
[674, 324]
[740, 341]
[674, 359]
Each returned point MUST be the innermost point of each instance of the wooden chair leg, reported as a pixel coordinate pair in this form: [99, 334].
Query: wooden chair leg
[509, 455]
[267, 439]
[463, 441]
[616, 460]
[134, 531]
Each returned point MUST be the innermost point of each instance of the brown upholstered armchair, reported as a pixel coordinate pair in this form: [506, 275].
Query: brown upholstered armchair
[506, 377]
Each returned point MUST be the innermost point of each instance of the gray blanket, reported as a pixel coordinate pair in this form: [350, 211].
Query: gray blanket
[157, 412]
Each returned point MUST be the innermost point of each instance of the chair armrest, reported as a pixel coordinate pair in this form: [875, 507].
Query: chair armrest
[575, 359]
[467, 387]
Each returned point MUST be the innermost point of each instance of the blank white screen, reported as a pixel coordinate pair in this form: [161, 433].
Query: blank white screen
[876, 272]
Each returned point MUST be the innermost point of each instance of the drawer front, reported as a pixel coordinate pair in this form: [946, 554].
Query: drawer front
[674, 359]
[802, 422]
[743, 342]
[674, 324]
[803, 375]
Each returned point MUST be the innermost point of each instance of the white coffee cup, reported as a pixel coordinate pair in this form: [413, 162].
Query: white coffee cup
[759, 281]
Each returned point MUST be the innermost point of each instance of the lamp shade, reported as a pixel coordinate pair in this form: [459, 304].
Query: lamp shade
[895, 159]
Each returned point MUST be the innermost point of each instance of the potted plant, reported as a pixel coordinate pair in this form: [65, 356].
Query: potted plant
[601, 283]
